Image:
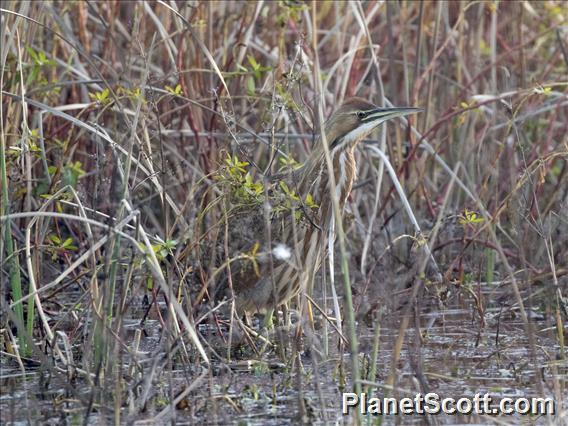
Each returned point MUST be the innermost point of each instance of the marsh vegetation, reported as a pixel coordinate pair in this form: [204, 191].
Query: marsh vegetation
[133, 134]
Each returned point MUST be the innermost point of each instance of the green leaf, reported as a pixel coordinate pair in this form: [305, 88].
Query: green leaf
[289, 162]
[284, 187]
[32, 53]
[310, 201]
[176, 91]
[101, 97]
[255, 65]
[251, 88]
[71, 174]
[469, 217]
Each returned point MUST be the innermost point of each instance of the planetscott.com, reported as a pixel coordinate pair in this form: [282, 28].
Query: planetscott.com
[432, 403]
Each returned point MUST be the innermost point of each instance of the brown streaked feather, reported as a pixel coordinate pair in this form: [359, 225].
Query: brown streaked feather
[280, 280]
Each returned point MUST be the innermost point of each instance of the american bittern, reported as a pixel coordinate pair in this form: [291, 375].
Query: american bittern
[306, 234]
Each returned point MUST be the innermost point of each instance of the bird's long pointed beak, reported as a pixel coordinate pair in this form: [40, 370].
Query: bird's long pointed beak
[384, 114]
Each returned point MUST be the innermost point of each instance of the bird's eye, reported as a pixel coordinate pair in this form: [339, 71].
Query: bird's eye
[361, 114]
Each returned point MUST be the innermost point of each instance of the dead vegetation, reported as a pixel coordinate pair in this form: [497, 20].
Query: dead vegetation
[133, 133]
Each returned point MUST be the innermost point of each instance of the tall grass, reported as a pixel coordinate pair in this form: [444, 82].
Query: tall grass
[117, 121]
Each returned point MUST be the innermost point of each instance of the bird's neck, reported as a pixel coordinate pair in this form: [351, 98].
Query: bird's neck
[316, 181]
[344, 168]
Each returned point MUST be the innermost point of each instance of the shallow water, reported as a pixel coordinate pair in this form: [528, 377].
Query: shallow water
[455, 357]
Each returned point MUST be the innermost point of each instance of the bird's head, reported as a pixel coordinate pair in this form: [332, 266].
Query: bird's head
[356, 118]
[347, 126]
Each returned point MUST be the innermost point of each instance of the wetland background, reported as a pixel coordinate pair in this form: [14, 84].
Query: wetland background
[125, 124]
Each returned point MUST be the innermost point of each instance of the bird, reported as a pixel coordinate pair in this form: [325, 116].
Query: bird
[299, 236]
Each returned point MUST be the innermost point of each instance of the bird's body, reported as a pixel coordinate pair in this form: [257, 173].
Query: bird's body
[305, 230]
